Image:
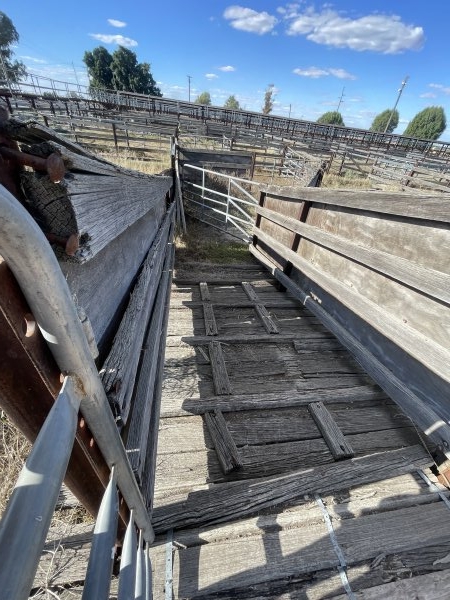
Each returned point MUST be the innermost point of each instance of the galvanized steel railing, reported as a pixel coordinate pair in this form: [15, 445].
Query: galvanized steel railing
[224, 210]
[27, 517]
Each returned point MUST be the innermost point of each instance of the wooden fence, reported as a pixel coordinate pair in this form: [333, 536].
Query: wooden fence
[374, 267]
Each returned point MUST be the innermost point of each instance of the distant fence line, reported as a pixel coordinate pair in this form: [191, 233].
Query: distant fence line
[49, 89]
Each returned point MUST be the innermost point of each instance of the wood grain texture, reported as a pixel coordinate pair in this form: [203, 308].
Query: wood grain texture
[227, 453]
[234, 500]
[219, 370]
[260, 309]
[336, 442]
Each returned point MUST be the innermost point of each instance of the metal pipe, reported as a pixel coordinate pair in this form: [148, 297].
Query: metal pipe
[128, 558]
[31, 259]
[148, 575]
[27, 517]
[98, 575]
[139, 590]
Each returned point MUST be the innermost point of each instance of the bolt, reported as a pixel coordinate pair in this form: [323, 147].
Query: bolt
[70, 244]
[53, 164]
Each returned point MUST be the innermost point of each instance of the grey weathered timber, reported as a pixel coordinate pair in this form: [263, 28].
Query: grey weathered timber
[283, 399]
[420, 412]
[208, 311]
[429, 281]
[336, 442]
[96, 200]
[143, 395]
[234, 500]
[394, 203]
[227, 453]
[415, 343]
[219, 370]
[101, 290]
[149, 465]
[295, 551]
[260, 309]
[432, 586]
[120, 367]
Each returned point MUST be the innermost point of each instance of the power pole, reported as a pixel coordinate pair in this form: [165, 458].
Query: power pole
[402, 87]
[189, 87]
[341, 99]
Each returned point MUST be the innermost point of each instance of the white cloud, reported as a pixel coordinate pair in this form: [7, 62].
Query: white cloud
[316, 72]
[211, 76]
[227, 69]
[39, 61]
[440, 87]
[247, 19]
[427, 95]
[116, 23]
[120, 40]
[378, 33]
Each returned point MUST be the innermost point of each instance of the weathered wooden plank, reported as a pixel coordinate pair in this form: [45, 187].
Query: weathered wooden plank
[416, 206]
[336, 442]
[260, 309]
[234, 500]
[219, 370]
[227, 453]
[429, 281]
[208, 311]
[120, 367]
[141, 403]
[424, 349]
[198, 468]
[197, 405]
[432, 586]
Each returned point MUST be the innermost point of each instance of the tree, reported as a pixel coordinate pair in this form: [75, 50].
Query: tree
[268, 99]
[428, 124]
[204, 98]
[232, 103]
[386, 121]
[11, 70]
[98, 63]
[333, 117]
[119, 71]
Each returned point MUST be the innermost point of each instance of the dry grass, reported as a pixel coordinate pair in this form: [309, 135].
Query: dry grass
[130, 160]
[14, 448]
[203, 243]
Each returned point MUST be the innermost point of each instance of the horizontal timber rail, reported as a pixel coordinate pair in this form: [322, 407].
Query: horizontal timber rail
[64, 97]
[362, 262]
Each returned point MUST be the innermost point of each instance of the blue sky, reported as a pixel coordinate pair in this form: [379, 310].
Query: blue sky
[311, 52]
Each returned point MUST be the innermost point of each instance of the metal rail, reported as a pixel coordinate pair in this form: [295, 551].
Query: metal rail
[220, 209]
[291, 128]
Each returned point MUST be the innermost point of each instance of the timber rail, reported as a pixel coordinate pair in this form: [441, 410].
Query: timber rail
[259, 400]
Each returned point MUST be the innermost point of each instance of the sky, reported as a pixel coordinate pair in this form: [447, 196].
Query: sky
[350, 54]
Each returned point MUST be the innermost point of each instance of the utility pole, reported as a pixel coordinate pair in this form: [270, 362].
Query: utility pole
[402, 87]
[189, 87]
[341, 99]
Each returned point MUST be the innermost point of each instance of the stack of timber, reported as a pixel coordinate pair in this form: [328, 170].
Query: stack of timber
[283, 470]
[112, 231]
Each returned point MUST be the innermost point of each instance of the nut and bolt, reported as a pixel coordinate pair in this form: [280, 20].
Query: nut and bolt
[53, 164]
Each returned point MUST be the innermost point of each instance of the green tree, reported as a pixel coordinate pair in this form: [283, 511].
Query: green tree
[11, 70]
[332, 117]
[386, 121]
[119, 71]
[98, 63]
[428, 124]
[232, 103]
[268, 99]
[204, 98]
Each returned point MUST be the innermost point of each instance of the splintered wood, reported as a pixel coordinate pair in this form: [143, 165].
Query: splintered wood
[252, 426]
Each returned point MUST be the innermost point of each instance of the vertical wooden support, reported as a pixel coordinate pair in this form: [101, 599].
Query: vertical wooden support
[260, 309]
[219, 370]
[226, 449]
[333, 436]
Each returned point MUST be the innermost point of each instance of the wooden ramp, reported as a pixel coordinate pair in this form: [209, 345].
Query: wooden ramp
[283, 471]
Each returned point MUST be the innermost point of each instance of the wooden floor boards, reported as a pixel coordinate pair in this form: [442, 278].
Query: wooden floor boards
[254, 528]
